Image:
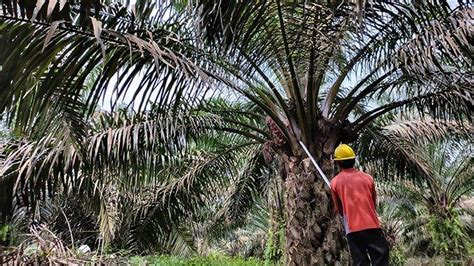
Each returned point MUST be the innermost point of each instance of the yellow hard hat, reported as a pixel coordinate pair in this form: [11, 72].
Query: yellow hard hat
[344, 152]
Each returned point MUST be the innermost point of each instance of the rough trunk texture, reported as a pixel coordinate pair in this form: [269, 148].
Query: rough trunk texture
[314, 234]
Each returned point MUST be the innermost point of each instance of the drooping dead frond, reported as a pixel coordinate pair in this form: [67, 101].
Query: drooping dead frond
[428, 129]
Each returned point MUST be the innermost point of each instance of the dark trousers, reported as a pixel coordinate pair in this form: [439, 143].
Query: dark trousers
[369, 242]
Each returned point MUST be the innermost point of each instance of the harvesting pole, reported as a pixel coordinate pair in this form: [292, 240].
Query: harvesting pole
[320, 171]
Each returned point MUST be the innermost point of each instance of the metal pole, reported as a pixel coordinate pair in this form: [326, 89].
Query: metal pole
[321, 173]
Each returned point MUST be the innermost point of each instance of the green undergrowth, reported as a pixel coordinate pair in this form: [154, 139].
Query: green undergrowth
[211, 260]
[221, 260]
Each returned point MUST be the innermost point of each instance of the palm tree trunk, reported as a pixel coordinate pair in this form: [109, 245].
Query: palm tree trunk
[314, 234]
[6, 199]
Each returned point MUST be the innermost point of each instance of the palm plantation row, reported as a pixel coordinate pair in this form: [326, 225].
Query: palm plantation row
[222, 92]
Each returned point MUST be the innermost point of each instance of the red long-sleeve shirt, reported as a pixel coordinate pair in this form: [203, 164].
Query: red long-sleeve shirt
[354, 196]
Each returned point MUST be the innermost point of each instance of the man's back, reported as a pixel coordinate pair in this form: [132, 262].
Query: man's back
[353, 193]
[354, 197]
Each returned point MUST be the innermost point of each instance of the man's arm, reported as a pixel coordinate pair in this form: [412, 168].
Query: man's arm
[374, 193]
[337, 202]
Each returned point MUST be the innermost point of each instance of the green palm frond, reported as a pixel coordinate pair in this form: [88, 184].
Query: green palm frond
[138, 143]
[247, 239]
[180, 243]
[73, 55]
[418, 209]
[200, 181]
[449, 104]
[440, 189]
[164, 167]
[250, 184]
[388, 157]
[427, 129]
[391, 147]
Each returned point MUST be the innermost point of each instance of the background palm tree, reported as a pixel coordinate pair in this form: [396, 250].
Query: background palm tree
[428, 202]
[291, 60]
[130, 183]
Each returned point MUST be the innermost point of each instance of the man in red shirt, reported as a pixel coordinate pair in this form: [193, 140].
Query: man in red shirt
[354, 196]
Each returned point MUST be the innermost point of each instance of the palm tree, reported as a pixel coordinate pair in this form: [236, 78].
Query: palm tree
[428, 205]
[313, 68]
[129, 175]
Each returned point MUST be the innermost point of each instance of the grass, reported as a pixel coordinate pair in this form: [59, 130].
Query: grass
[211, 260]
[221, 260]
[437, 261]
